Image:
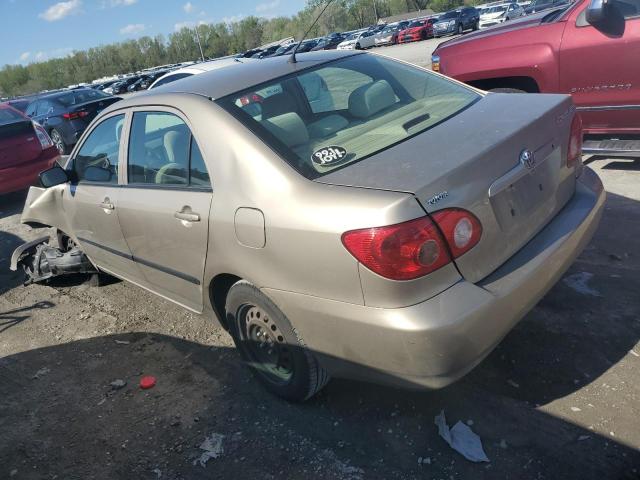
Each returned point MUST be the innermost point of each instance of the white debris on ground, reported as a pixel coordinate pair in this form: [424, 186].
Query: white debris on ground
[579, 281]
[212, 447]
[327, 460]
[41, 373]
[462, 439]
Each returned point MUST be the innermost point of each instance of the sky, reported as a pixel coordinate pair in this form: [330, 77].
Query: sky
[35, 30]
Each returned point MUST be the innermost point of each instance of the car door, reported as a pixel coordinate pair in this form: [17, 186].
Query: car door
[91, 199]
[600, 68]
[164, 207]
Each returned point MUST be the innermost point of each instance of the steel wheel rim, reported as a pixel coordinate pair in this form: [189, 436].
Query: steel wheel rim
[265, 345]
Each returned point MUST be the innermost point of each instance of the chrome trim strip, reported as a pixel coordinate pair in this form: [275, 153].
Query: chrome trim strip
[608, 107]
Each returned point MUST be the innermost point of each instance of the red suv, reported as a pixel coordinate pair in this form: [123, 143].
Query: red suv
[417, 30]
[589, 49]
[25, 150]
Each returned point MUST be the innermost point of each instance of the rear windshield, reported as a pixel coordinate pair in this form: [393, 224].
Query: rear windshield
[77, 97]
[453, 14]
[327, 117]
[9, 115]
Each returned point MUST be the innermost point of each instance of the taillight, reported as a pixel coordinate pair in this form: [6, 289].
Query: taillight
[43, 136]
[461, 229]
[574, 152]
[74, 115]
[415, 248]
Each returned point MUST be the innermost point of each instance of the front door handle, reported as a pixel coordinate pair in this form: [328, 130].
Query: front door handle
[106, 205]
[187, 217]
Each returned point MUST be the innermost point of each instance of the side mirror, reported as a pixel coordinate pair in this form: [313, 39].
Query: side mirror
[54, 176]
[597, 11]
[97, 174]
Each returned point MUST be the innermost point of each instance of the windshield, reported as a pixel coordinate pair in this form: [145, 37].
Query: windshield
[417, 23]
[453, 14]
[327, 117]
[501, 8]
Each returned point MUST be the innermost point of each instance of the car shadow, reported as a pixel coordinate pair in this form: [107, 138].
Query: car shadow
[62, 416]
[8, 279]
[12, 203]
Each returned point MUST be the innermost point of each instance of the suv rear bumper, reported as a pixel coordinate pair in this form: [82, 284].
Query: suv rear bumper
[433, 343]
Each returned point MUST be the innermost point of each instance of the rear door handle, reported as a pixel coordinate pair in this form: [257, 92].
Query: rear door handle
[107, 206]
[187, 217]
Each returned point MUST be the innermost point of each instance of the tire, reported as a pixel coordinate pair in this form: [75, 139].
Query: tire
[476, 25]
[58, 141]
[460, 29]
[358, 47]
[270, 346]
[506, 90]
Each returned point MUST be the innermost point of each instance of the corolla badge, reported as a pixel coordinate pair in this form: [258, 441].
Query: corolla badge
[527, 159]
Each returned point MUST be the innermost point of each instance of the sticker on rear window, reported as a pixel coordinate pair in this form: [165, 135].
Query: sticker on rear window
[328, 155]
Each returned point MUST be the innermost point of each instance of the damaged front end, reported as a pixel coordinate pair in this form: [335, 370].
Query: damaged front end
[42, 261]
[39, 259]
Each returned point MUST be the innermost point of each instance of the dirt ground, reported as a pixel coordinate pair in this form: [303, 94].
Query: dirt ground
[559, 398]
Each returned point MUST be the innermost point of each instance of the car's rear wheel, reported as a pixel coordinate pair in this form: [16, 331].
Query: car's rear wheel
[270, 347]
[58, 141]
[358, 47]
[476, 25]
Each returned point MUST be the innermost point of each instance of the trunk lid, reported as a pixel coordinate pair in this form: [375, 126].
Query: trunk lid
[472, 161]
[93, 107]
[18, 143]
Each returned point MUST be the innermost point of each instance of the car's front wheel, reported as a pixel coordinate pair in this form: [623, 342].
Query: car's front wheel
[270, 346]
[460, 29]
[358, 47]
[58, 141]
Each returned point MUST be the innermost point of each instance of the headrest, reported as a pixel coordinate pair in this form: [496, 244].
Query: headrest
[371, 98]
[278, 104]
[288, 128]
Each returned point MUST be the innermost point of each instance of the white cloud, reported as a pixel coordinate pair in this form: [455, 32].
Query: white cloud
[180, 25]
[267, 6]
[60, 10]
[40, 56]
[123, 3]
[25, 56]
[133, 29]
[188, 7]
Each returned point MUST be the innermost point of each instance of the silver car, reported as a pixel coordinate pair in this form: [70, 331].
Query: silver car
[344, 215]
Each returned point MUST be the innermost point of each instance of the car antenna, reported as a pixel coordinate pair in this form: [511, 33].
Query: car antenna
[292, 58]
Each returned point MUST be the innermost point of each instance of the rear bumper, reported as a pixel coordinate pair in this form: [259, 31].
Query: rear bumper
[435, 342]
[20, 177]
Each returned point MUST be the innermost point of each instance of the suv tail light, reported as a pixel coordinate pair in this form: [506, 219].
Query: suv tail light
[43, 136]
[415, 248]
[74, 115]
[574, 152]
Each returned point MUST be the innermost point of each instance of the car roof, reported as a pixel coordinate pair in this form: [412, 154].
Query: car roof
[244, 73]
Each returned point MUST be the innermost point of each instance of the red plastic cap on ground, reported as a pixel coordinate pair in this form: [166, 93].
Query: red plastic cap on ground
[147, 382]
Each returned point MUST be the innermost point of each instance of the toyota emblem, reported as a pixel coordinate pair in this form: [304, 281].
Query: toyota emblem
[527, 159]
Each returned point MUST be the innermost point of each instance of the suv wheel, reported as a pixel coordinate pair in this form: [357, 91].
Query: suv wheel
[270, 346]
[58, 141]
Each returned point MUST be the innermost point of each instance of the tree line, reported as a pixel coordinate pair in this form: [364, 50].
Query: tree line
[217, 40]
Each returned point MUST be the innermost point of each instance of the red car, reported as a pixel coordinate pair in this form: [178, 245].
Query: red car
[25, 150]
[589, 49]
[417, 30]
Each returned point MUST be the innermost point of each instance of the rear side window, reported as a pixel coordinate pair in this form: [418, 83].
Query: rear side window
[162, 151]
[9, 115]
[344, 111]
[171, 78]
[101, 150]
[44, 107]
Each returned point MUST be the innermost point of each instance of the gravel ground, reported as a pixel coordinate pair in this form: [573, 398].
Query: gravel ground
[559, 397]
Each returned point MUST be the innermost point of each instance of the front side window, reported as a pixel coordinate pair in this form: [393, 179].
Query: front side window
[162, 151]
[99, 157]
[343, 111]
[628, 8]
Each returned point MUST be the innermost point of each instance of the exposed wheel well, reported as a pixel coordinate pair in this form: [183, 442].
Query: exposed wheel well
[218, 290]
[527, 84]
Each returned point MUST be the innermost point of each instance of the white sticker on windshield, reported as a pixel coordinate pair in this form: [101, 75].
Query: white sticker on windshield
[328, 155]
